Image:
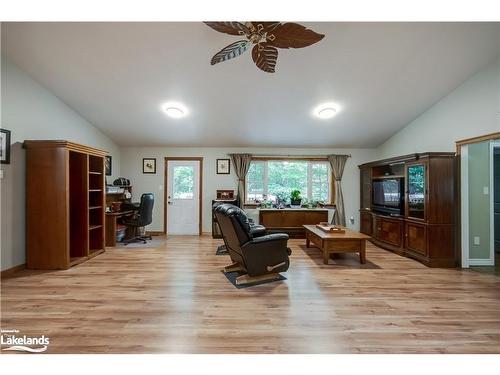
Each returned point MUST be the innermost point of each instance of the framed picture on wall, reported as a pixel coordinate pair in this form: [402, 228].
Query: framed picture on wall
[223, 166]
[149, 165]
[108, 165]
[4, 146]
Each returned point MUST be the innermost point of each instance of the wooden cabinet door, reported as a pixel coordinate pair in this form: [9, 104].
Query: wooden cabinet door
[366, 223]
[416, 237]
[366, 188]
[390, 231]
[416, 190]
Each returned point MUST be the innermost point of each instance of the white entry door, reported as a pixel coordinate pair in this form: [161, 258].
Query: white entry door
[183, 197]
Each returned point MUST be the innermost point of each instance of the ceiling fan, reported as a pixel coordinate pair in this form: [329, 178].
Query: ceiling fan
[266, 38]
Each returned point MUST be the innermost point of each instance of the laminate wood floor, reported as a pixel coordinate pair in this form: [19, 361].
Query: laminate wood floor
[174, 299]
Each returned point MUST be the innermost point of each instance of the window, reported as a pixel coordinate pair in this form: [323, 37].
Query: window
[183, 182]
[267, 179]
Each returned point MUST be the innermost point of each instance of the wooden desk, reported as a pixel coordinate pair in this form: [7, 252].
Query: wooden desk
[111, 219]
[331, 243]
[291, 220]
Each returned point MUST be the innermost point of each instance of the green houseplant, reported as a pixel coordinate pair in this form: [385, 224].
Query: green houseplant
[295, 198]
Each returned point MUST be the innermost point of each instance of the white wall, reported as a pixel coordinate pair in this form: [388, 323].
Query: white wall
[30, 111]
[472, 109]
[131, 158]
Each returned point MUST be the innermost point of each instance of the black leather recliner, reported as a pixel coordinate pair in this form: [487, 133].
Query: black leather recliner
[256, 229]
[257, 255]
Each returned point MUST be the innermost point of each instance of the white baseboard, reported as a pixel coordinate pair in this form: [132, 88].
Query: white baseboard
[481, 262]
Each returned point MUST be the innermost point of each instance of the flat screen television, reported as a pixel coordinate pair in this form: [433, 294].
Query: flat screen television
[387, 195]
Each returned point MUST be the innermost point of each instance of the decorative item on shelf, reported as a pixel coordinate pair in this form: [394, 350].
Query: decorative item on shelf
[108, 165]
[295, 199]
[4, 146]
[225, 194]
[121, 181]
[149, 165]
[280, 202]
[326, 227]
[127, 194]
[116, 206]
[266, 204]
[223, 166]
[113, 189]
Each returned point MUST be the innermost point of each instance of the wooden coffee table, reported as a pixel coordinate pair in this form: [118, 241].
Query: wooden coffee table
[334, 243]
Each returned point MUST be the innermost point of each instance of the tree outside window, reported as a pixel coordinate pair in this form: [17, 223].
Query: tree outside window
[272, 178]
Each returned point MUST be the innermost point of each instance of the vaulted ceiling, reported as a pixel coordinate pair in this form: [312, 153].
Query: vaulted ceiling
[381, 75]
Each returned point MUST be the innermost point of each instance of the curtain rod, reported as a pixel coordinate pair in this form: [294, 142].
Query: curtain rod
[294, 156]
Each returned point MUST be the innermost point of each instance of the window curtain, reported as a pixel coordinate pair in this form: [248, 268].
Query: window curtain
[241, 164]
[337, 162]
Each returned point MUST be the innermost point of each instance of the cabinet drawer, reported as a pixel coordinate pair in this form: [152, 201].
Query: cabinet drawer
[292, 219]
[416, 237]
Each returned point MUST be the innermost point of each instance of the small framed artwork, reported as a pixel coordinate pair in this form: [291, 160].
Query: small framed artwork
[4, 146]
[223, 166]
[149, 165]
[108, 165]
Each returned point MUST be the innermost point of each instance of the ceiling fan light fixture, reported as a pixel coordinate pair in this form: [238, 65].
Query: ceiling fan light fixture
[325, 111]
[174, 110]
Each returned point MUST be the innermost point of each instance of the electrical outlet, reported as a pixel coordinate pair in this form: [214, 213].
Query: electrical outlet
[160, 187]
[476, 240]
[486, 190]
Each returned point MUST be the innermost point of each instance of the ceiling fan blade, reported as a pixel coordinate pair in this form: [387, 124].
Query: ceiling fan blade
[293, 35]
[265, 57]
[231, 28]
[265, 26]
[231, 51]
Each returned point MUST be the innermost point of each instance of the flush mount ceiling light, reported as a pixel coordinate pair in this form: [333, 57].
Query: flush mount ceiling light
[325, 111]
[174, 110]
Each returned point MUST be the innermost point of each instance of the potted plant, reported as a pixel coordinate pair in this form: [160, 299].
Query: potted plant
[295, 198]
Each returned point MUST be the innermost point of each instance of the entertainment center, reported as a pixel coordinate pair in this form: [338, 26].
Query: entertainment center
[407, 206]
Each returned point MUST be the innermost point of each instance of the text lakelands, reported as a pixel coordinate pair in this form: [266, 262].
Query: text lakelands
[23, 340]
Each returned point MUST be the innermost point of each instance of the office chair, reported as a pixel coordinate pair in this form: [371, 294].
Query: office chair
[143, 217]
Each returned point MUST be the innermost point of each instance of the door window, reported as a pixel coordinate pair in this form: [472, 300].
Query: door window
[183, 182]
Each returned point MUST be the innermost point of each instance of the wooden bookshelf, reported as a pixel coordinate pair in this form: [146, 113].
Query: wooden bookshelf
[65, 200]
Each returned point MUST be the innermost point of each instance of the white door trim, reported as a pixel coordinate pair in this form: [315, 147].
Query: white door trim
[493, 145]
[464, 182]
[165, 190]
[464, 212]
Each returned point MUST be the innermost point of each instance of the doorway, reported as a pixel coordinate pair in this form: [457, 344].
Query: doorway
[479, 202]
[183, 195]
[495, 178]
